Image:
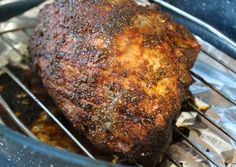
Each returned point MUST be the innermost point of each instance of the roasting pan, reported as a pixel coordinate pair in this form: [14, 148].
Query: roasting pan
[215, 89]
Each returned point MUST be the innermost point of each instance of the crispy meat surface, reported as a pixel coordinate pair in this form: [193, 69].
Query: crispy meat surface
[118, 71]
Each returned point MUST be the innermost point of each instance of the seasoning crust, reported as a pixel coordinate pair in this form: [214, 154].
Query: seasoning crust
[118, 71]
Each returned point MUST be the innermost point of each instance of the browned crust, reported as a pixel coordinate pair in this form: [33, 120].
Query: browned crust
[118, 71]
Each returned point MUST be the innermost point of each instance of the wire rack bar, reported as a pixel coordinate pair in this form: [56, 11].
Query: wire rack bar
[13, 77]
[15, 119]
[29, 133]
[208, 119]
[38, 102]
[219, 61]
[17, 29]
[17, 51]
[212, 87]
[173, 161]
[216, 32]
[195, 147]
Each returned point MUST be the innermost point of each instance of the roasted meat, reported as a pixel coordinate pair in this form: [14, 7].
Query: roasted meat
[118, 71]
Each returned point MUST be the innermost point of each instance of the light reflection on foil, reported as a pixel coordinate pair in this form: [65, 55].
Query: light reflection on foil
[206, 137]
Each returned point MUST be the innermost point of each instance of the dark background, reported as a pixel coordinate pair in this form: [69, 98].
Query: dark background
[221, 14]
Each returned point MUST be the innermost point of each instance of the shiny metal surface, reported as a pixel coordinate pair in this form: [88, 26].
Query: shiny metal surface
[215, 84]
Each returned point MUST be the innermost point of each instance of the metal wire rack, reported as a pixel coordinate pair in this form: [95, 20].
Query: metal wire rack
[77, 142]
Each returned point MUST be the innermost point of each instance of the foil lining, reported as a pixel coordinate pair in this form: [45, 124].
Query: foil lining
[202, 133]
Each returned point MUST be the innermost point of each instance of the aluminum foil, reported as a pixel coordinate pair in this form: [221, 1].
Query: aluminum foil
[203, 134]
[143, 2]
[218, 146]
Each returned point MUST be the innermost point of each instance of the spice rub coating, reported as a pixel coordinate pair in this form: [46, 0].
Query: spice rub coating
[118, 71]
